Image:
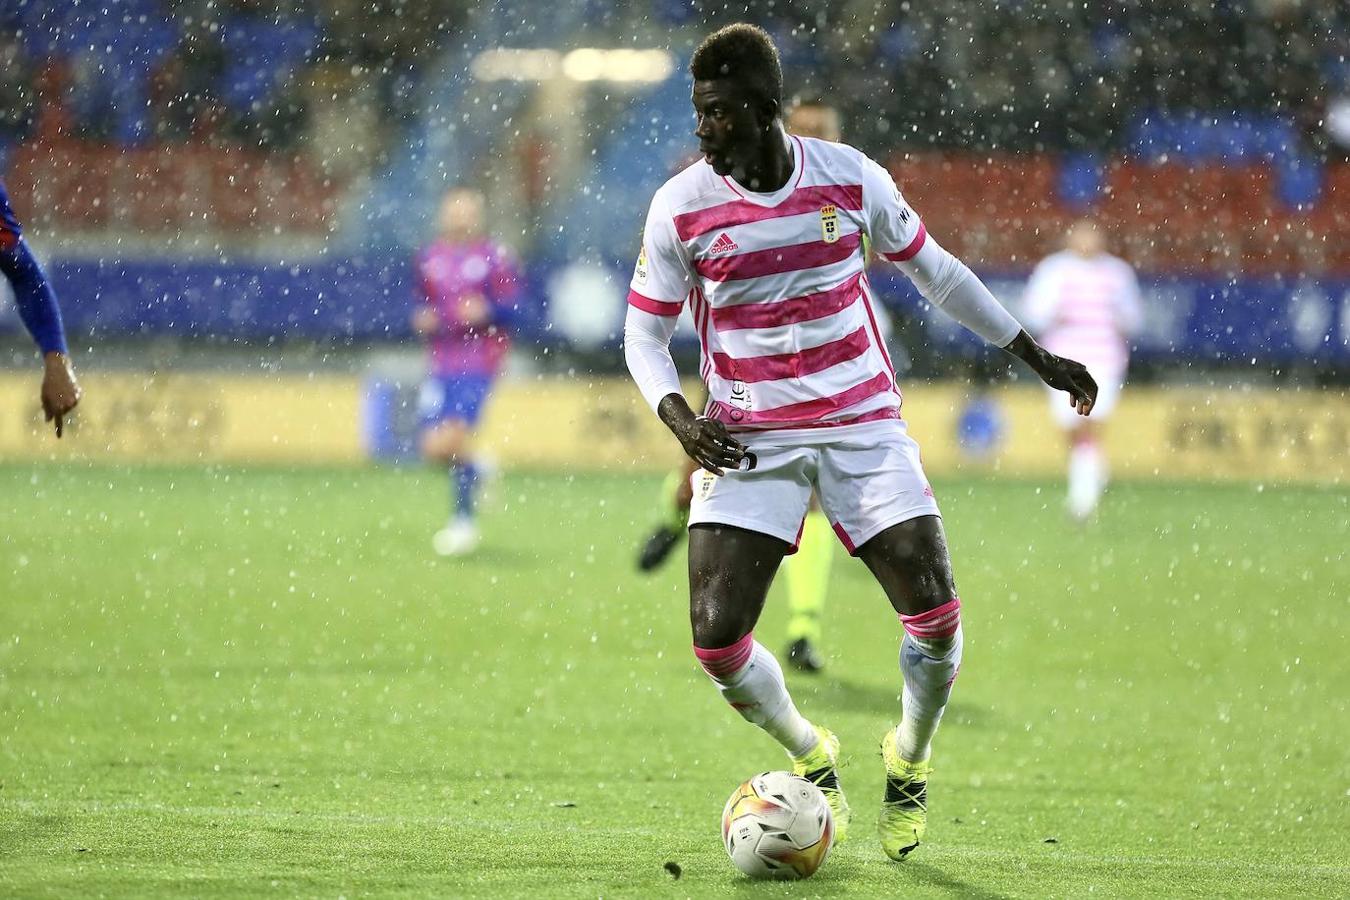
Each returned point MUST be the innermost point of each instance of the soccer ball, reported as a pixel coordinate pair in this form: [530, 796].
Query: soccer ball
[777, 825]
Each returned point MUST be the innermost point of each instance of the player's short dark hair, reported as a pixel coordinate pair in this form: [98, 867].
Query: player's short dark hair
[743, 52]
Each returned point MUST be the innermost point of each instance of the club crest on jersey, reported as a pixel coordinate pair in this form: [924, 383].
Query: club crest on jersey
[829, 223]
[641, 272]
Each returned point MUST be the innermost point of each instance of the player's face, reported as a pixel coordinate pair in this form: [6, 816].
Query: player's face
[1086, 239]
[728, 128]
[462, 215]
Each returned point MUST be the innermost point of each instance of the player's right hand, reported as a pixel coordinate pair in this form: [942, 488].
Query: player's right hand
[705, 440]
[708, 444]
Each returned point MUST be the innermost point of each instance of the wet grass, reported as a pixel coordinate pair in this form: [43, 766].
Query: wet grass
[251, 682]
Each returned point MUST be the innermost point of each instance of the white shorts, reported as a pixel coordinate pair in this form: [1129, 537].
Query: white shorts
[1108, 392]
[868, 477]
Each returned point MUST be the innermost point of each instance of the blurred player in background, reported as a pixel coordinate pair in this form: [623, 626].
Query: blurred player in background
[807, 572]
[41, 315]
[469, 287]
[763, 238]
[1084, 302]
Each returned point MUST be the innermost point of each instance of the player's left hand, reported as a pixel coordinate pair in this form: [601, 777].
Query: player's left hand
[1060, 373]
[1073, 377]
[60, 391]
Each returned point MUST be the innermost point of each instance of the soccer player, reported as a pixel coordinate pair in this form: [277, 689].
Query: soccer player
[763, 238]
[807, 572]
[1084, 301]
[41, 315]
[469, 288]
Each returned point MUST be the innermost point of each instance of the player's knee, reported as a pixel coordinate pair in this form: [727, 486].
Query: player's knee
[932, 587]
[712, 619]
[443, 445]
[713, 627]
[434, 449]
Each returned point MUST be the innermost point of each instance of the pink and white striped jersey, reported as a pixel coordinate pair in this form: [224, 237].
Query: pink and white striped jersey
[777, 288]
[1085, 308]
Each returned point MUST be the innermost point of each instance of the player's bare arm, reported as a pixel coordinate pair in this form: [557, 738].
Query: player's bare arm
[705, 440]
[1058, 372]
[41, 315]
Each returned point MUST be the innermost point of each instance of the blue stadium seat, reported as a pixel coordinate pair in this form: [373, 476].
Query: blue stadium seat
[1081, 179]
[261, 54]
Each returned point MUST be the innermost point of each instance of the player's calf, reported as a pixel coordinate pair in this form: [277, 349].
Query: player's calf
[930, 658]
[752, 683]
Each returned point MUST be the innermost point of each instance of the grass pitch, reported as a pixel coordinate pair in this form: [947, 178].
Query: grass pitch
[235, 682]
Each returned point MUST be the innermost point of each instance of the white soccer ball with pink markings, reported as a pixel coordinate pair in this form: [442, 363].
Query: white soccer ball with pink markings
[777, 825]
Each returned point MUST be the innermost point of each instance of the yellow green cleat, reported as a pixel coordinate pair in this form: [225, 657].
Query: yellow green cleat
[904, 809]
[820, 767]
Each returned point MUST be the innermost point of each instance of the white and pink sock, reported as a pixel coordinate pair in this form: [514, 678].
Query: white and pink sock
[751, 680]
[930, 657]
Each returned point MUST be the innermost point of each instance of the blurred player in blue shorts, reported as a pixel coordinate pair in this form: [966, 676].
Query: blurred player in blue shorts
[469, 288]
[41, 316]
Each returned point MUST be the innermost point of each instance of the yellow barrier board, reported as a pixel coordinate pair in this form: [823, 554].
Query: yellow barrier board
[1258, 435]
[602, 424]
[1157, 432]
[169, 417]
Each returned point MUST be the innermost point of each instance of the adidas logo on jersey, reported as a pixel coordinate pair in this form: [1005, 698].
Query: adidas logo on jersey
[723, 244]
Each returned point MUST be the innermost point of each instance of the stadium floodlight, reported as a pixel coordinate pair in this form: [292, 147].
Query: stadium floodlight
[516, 64]
[580, 64]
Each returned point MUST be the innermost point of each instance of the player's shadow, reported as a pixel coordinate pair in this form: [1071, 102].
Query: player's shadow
[832, 692]
[494, 557]
[840, 876]
[934, 877]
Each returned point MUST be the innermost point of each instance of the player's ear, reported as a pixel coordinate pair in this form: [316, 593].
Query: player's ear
[769, 110]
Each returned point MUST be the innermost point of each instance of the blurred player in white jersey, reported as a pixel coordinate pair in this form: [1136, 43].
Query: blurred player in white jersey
[763, 237]
[1085, 302]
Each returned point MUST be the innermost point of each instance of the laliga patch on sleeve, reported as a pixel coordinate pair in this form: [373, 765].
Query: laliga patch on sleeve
[640, 273]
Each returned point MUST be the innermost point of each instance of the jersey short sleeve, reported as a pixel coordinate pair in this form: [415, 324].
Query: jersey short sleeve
[893, 226]
[662, 277]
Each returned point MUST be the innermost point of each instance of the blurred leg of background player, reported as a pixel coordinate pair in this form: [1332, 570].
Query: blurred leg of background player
[450, 409]
[673, 503]
[807, 577]
[1088, 470]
